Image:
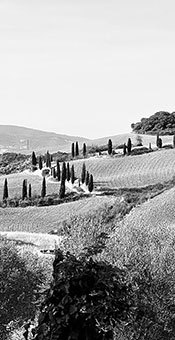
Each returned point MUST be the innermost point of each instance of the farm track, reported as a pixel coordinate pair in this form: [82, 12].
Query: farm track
[45, 219]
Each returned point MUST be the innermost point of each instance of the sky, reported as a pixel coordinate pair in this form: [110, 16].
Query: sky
[85, 67]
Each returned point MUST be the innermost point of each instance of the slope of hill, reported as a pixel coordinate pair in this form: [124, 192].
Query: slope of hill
[17, 138]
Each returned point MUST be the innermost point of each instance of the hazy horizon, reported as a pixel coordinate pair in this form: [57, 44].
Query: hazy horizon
[85, 68]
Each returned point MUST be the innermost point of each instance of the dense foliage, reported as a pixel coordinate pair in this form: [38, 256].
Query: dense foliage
[163, 122]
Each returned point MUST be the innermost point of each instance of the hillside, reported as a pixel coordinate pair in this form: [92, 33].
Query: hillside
[22, 139]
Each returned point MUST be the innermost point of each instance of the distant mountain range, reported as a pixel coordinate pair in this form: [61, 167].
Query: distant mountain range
[24, 140]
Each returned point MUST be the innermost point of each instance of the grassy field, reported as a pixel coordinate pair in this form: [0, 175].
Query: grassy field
[130, 171]
[45, 219]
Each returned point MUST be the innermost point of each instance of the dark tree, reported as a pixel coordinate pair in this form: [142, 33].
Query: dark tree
[34, 160]
[91, 184]
[68, 172]
[30, 190]
[5, 190]
[24, 189]
[84, 149]
[48, 160]
[83, 173]
[109, 146]
[43, 190]
[53, 172]
[72, 174]
[63, 173]
[174, 141]
[73, 150]
[159, 143]
[157, 139]
[124, 149]
[58, 170]
[40, 163]
[129, 145]
[87, 178]
[62, 189]
[76, 149]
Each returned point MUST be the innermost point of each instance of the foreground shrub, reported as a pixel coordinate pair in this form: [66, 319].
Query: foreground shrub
[86, 300]
[20, 279]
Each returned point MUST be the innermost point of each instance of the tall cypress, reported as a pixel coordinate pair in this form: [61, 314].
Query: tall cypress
[30, 190]
[48, 160]
[84, 149]
[5, 190]
[43, 190]
[109, 146]
[72, 174]
[124, 149]
[91, 184]
[40, 162]
[129, 145]
[24, 189]
[68, 172]
[58, 170]
[53, 172]
[76, 149]
[157, 139]
[63, 173]
[83, 173]
[62, 189]
[87, 178]
[34, 161]
[73, 150]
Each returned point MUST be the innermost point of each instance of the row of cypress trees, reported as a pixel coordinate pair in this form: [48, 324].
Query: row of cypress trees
[126, 147]
[75, 149]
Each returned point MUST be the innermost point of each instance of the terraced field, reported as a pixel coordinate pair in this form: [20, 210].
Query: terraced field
[130, 171]
[45, 219]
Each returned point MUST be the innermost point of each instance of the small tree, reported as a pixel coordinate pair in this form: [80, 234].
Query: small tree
[83, 173]
[124, 149]
[40, 163]
[30, 190]
[34, 161]
[87, 178]
[159, 143]
[72, 174]
[63, 173]
[91, 184]
[129, 145]
[43, 190]
[48, 160]
[62, 189]
[24, 189]
[58, 170]
[84, 149]
[68, 172]
[73, 150]
[157, 139]
[76, 149]
[109, 146]
[5, 190]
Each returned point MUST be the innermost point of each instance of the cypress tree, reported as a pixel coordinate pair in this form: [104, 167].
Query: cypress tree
[30, 190]
[157, 139]
[24, 189]
[68, 172]
[63, 174]
[124, 149]
[62, 189]
[174, 141]
[87, 178]
[84, 149]
[73, 150]
[109, 146]
[72, 174]
[43, 190]
[40, 163]
[91, 184]
[53, 172]
[58, 170]
[48, 160]
[159, 143]
[83, 173]
[76, 149]
[34, 161]
[5, 190]
[129, 146]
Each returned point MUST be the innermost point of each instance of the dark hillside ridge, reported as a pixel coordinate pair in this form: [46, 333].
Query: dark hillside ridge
[22, 139]
[162, 122]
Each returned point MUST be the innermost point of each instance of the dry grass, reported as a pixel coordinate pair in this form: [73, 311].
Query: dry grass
[130, 171]
[45, 219]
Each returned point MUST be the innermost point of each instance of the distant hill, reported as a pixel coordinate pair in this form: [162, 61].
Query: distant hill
[22, 139]
[162, 122]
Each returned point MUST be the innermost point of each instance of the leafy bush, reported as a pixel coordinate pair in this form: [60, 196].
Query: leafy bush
[85, 301]
[163, 122]
[21, 276]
